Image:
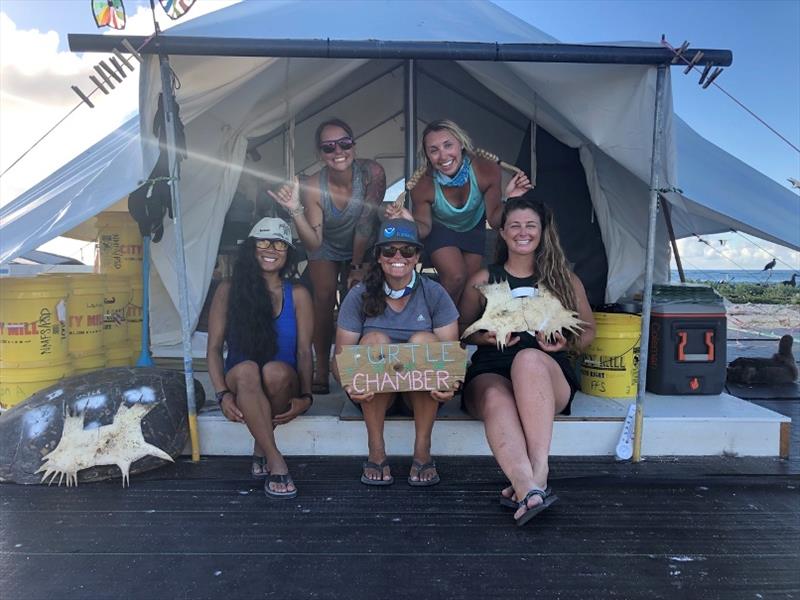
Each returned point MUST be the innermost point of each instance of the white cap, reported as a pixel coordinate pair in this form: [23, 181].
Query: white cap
[272, 228]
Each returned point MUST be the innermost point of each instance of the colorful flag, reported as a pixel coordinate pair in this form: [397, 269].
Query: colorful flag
[175, 9]
[109, 13]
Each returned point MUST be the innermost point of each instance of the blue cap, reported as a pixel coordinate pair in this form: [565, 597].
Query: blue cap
[400, 231]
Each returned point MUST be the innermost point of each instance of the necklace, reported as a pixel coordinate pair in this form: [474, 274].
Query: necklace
[397, 294]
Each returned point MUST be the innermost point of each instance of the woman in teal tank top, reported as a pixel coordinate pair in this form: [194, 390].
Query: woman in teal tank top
[453, 195]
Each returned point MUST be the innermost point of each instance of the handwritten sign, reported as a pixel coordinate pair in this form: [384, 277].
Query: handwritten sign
[386, 368]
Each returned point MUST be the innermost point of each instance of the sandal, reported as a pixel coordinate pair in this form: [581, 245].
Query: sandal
[548, 498]
[320, 388]
[508, 501]
[419, 482]
[283, 478]
[258, 467]
[384, 480]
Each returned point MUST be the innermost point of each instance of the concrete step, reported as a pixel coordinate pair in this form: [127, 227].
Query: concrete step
[673, 426]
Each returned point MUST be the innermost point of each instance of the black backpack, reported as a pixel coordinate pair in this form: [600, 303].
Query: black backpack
[149, 203]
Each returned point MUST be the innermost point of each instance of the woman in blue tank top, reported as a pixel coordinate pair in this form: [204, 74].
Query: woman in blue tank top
[265, 320]
[335, 212]
[517, 391]
[453, 194]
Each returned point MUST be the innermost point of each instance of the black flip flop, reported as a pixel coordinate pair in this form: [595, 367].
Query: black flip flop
[260, 463]
[420, 468]
[377, 467]
[284, 478]
[548, 498]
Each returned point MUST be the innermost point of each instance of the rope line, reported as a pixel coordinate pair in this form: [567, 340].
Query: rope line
[724, 91]
[780, 260]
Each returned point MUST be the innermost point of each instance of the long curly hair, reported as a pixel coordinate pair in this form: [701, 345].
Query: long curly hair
[550, 263]
[250, 321]
[374, 298]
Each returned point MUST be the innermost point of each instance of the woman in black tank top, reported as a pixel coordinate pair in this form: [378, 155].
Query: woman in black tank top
[517, 392]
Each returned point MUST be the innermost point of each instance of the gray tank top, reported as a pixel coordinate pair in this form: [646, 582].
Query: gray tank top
[338, 226]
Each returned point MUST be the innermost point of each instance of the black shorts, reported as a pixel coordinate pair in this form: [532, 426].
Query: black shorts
[501, 365]
[472, 241]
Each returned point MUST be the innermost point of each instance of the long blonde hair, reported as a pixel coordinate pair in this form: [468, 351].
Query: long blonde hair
[550, 262]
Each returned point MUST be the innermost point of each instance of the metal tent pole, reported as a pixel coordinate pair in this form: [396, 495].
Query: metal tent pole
[410, 114]
[655, 168]
[170, 124]
[671, 230]
[145, 360]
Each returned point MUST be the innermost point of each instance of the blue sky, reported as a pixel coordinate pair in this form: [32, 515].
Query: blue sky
[763, 35]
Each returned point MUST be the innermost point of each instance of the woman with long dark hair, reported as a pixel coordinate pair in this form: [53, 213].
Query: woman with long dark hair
[518, 391]
[335, 212]
[265, 320]
[396, 305]
[454, 192]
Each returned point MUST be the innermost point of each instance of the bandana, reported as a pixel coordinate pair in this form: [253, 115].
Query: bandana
[397, 294]
[456, 180]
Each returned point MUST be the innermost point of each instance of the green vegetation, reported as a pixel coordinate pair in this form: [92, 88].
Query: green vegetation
[742, 293]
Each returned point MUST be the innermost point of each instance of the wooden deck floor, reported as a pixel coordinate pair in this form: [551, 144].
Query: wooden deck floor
[677, 528]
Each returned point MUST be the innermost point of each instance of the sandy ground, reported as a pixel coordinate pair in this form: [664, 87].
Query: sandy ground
[773, 320]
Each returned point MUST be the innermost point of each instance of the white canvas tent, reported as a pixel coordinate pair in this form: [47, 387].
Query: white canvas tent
[605, 112]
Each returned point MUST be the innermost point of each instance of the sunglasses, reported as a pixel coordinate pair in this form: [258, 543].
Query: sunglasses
[344, 143]
[278, 245]
[405, 251]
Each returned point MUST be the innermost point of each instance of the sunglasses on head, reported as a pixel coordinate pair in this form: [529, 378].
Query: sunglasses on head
[278, 245]
[405, 251]
[344, 143]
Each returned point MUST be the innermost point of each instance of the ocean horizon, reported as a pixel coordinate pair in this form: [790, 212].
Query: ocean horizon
[735, 275]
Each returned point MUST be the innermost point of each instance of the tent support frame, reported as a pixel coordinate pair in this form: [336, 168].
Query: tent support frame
[672, 240]
[647, 300]
[170, 122]
[410, 114]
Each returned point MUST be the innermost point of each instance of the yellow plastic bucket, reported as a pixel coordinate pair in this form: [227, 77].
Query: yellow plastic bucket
[86, 363]
[133, 312]
[118, 356]
[85, 308]
[117, 297]
[610, 365]
[33, 319]
[119, 244]
[18, 383]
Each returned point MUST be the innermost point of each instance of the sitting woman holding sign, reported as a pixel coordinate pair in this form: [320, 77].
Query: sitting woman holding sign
[395, 305]
[518, 382]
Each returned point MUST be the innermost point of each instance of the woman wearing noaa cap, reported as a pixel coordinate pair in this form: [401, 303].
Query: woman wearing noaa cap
[265, 320]
[396, 305]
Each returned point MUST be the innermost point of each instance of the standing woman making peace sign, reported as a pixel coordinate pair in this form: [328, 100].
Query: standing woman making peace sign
[335, 212]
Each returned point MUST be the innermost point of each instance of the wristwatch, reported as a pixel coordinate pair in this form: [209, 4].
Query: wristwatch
[221, 394]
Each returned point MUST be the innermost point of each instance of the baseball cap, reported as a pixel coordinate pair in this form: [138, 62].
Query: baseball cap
[272, 228]
[398, 231]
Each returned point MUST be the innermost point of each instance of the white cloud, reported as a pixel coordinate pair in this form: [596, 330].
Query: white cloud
[35, 93]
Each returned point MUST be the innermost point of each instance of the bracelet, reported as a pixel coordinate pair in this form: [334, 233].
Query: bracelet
[309, 396]
[221, 394]
[297, 211]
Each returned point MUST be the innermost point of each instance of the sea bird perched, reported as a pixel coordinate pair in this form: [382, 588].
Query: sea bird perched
[792, 282]
[770, 265]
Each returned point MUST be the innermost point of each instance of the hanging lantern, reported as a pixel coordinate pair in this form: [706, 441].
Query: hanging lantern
[175, 9]
[109, 13]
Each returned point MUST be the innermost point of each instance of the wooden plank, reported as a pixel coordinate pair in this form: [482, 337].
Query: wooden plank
[785, 437]
[386, 368]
